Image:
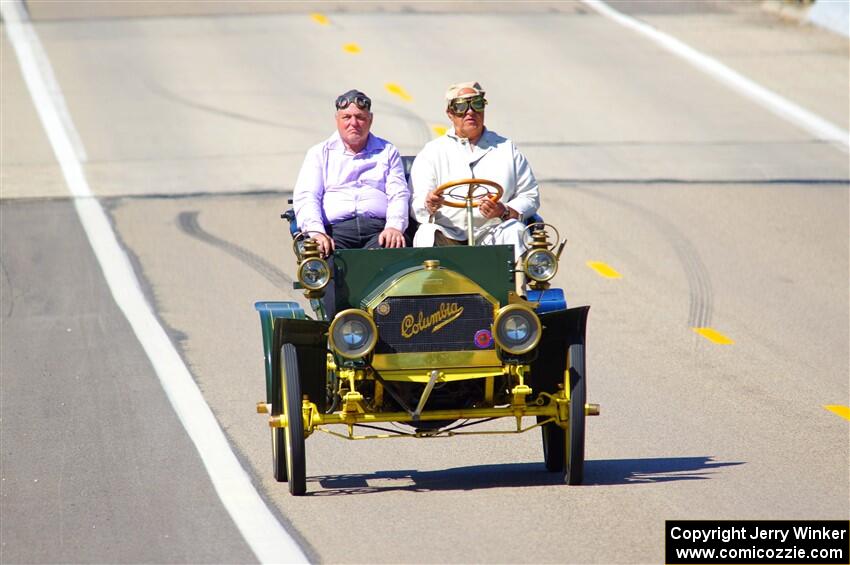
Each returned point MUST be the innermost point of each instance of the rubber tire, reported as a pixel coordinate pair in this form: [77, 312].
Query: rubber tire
[563, 450]
[279, 454]
[296, 468]
[574, 447]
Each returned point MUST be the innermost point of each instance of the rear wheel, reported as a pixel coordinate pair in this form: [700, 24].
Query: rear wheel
[294, 436]
[279, 454]
[277, 434]
[276, 401]
[553, 446]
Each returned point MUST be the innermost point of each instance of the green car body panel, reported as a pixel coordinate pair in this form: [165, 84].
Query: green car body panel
[359, 272]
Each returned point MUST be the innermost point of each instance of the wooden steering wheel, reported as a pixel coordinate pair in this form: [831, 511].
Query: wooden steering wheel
[474, 194]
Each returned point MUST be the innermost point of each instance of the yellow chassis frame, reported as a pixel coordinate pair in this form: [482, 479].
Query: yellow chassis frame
[353, 412]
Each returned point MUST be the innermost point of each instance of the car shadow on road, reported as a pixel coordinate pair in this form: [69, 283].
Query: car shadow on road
[652, 470]
[597, 473]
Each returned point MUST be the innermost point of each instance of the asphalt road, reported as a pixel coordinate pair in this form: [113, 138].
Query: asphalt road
[716, 213]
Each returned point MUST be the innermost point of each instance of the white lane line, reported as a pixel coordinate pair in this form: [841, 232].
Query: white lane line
[783, 108]
[261, 530]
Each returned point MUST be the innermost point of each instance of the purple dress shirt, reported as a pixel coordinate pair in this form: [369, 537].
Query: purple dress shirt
[335, 184]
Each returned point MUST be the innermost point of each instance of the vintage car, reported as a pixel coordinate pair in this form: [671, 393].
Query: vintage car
[436, 338]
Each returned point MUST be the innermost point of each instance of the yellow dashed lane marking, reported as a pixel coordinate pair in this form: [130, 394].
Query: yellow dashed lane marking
[714, 336]
[439, 130]
[351, 48]
[396, 89]
[320, 19]
[842, 411]
[604, 270]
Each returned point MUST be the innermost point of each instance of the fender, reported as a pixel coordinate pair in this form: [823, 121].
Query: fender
[269, 311]
[310, 338]
[561, 329]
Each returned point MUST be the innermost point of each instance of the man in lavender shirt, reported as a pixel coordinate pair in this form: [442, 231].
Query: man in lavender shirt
[351, 191]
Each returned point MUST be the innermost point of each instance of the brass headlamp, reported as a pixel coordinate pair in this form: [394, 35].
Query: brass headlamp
[540, 263]
[314, 273]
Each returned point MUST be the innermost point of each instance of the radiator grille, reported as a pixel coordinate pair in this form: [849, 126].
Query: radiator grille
[424, 324]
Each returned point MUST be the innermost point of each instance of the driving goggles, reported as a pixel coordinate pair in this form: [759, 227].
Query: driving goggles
[361, 101]
[459, 106]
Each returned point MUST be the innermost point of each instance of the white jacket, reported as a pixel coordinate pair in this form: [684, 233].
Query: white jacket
[494, 158]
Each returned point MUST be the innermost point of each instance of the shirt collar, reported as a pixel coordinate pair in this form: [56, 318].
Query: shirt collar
[372, 143]
[483, 141]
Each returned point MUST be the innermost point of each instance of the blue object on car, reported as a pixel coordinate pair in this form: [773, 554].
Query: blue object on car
[550, 300]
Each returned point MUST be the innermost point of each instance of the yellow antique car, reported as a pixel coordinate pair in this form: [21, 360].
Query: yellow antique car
[433, 338]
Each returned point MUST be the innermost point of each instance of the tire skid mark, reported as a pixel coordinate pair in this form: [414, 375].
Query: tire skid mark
[251, 515]
[419, 125]
[699, 281]
[200, 194]
[9, 295]
[188, 223]
[701, 294]
[221, 112]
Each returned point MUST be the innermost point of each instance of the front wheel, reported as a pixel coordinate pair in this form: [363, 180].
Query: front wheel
[294, 436]
[574, 447]
[563, 450]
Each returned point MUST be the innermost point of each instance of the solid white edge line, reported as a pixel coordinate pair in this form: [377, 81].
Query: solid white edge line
[780, 106]
[269, 541]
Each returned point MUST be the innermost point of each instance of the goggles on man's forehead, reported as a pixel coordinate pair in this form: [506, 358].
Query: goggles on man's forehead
[360, 100]
[459, 106]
